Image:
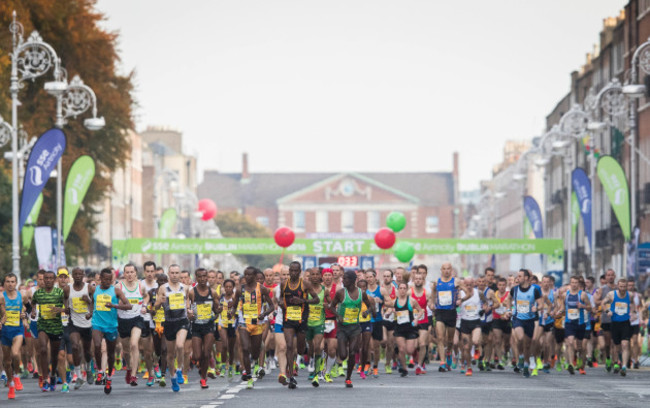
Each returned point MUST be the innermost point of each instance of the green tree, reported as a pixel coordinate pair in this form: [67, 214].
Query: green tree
[86, 49]
[235, 225]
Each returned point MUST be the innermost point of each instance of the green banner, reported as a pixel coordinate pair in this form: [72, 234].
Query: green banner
[614, 183]
[28, 229]
[266, 246]
[79, 178]
[528, 229]
[167, 221]
[575, 214]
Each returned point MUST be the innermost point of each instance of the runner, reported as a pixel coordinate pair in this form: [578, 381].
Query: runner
[107, 299]
[50, 302]
[618, 305]
[316, 326]
[605, 335]
[331, 345]
[375, 293]
[444, 292]
[80, 324]
[146, 337]
[65, 358]
[527, 300]
[251, 295]
[635, 341]
[389, 294]
[157, 331]
[130, 323]
[546, 323]
[363, 357]
[406, 333]
[293, 300]
[173, 297]
[501, 323]
[471, 304]
[11, 336]
[421, 295]
[227, 328]
[487, 338]
[572, 302]
[268, 336]
[203, 312]
[349, 298]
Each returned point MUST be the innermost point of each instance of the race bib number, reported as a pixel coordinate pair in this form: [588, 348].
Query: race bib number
[294, 313]
[620, 308]
[470, 309]
[79, 306]
[351, 315]
[315, 313]
[250, 311]
[13, 318]
[101, 303]
[159, 316]
[177, 301]
[573, 314]
[64, 319]
[46, 311]
[444, 298]
[501, 310]
[330, 325]
[403, 317]
[135, 301]
[523, 306]
[204, 311]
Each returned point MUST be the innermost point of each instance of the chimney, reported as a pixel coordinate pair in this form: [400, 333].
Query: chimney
[245, 176]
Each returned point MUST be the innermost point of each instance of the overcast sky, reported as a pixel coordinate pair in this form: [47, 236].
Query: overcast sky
[346, 85]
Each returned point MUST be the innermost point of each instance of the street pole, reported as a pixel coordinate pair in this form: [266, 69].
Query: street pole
[569, 217]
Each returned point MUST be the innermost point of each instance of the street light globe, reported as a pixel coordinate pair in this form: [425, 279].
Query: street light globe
[56, 88]
[634, 90]
[94, 123]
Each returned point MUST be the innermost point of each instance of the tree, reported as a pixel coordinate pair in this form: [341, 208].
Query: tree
[235, 225]
[71, 27]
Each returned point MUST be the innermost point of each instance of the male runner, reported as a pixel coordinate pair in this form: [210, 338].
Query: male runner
[316, 325]
[146, 337]
[389, 294]
[130, 323]
[470, 321]
[80, 325]
[605, 337]
[331, 345]
[618, 305]
[501, 322]
[420, 295]
[349, 298]
[572, 302]
[375, 292]
[173, 297]
[11, 337]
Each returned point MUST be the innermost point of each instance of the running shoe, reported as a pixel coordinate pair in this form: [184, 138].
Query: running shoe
[127, 378]
[418, 371]
[212, 373]
[175, 386]
[362, 374]
[145, 376]
[185, 380]
[179, 376]
[375, 372]
[617, 368]
[250, 384]
[256, 368]
[540, 365]
[403, 372]
[12, 393]
[18, 384]
[571, 369]
[582, 371]
[151, 381]
[534, 372]
[449, 360]
[315, 382]
[526, 372]
[387, 369]
[261, 373]
[341, 371]
[162, 382]
[45, 387]
[469, 372]
[282, 379]
[608, 365]
[348, 383]
[442, 368]
[293, 384]
[65, 387]
[134, 381]
[107, 387]
[118, 364]
[328, 378]
[500, 367]
[68, 376]
[40, 382]
[623, 371]
[204, 384]
[30, 367]
[157, 372]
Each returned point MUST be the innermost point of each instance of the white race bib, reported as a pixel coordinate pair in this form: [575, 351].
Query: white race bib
[523, 306]
[403, 317]
[620, 308]
[329, 326]
[444, 298]
[573, 314]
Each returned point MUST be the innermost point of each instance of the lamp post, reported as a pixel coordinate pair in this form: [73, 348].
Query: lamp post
[71, 101]
[611, 101]
[640, 59]
[29, 60]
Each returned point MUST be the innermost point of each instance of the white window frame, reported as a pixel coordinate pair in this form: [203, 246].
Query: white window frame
[296, 225]
[322, 221]
[347, 228]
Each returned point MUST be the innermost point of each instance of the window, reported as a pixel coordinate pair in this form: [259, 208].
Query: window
[432, 224]
[322, 222]
[617, 56]
[299, 220]
[373, 221]
[263, 221]
[347, 221]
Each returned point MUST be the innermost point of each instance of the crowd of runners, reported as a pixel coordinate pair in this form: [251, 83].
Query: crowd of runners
[71, 328]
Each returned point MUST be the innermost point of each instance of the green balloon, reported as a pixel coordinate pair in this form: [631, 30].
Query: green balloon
[404, 251]
[396, 221]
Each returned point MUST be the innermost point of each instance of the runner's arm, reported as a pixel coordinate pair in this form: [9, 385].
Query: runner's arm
[123, 302]
[370, 305]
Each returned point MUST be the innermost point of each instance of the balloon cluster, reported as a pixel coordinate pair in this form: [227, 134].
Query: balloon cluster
[208, 208]
[385, 238]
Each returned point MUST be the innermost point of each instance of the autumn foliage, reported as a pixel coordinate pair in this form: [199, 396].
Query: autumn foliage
[86, 49]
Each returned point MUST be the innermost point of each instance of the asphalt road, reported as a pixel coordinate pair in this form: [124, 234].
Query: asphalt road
[501, 388]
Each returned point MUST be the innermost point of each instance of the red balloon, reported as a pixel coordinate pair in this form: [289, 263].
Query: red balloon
[284, 237]
[385, 238]
[208, 208]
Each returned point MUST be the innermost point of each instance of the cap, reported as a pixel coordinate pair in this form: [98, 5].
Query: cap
[327, 270]
[62, 271]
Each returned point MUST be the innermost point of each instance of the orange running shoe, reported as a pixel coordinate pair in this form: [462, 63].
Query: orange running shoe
[375, 372]
[12, 393]
[40, 381]
[19, 385]
[469, 372]
[582, 371]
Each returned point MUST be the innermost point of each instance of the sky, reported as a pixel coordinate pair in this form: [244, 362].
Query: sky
[352, 85]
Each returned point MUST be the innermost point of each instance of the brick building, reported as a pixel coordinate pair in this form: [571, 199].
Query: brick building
[314, 204]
